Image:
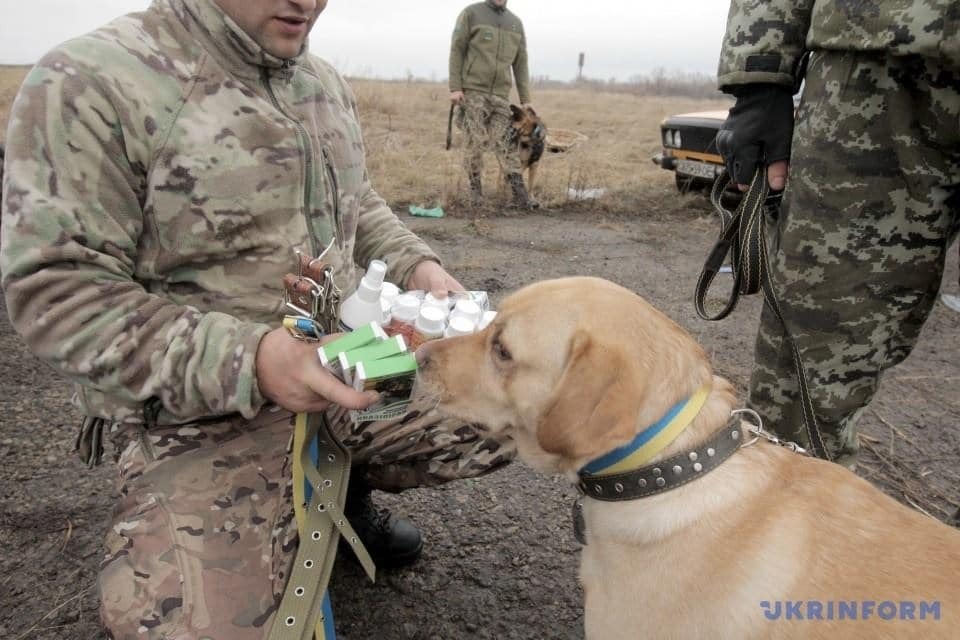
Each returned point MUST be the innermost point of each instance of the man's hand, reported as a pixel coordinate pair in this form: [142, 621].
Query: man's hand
[757, 133]
[289, 373]
[430, 276]
[456, 97]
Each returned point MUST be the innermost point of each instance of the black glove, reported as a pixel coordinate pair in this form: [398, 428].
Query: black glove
[758, 130]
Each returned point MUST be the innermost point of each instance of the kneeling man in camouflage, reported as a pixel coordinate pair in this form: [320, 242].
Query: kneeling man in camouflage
[161, 172]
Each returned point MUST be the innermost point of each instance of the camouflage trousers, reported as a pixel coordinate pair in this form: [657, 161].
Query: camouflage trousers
[203, 536]
[857, 249]
[485, 120]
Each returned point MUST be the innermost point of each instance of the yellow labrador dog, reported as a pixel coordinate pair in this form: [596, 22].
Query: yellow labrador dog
[694, 527]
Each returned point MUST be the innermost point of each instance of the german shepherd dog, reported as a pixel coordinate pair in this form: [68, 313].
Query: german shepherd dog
[529, 133]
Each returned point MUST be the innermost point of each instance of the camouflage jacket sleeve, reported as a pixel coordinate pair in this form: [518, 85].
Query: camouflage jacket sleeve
[72, 218]
[458, 50]
[381, 235]
[764, 42]
[521, 71]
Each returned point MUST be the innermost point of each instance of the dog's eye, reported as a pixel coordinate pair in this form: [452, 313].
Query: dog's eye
[501, 352]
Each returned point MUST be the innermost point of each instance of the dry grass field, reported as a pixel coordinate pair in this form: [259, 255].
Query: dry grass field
[405, 130]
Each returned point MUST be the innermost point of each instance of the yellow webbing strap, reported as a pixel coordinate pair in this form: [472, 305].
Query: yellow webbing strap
[319, 524]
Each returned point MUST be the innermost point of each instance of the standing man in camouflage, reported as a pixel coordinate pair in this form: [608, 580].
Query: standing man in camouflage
[871, 169]
[160, 173]
[488, 53]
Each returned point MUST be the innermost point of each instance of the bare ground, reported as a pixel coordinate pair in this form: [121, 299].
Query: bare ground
[500, 559]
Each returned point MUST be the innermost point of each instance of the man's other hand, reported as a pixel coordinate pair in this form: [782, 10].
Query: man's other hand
[456, 97]
[430, 276]
[289, 373]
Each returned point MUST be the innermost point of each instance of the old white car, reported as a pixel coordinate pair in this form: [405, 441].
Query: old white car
[690, 148]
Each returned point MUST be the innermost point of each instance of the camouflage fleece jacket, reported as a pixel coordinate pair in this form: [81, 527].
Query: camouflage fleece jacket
[488, 43]
[160, 173]
[765, 39]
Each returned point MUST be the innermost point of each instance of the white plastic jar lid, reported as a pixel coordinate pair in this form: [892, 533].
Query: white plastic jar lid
[431, 320]
[459, 326]
[405, 308]
[468, 309]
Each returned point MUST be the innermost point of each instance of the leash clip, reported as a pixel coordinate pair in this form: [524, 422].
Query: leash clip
[759, 432]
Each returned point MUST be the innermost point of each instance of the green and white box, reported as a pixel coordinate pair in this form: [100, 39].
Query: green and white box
[393, 378]
[374, 351]
[329, 353]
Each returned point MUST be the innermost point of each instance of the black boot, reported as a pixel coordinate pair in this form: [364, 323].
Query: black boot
[521, 199]
[476, 189]
[391, 541]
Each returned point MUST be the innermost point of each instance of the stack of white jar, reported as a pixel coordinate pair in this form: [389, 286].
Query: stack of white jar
[416, 316]
[434, 318]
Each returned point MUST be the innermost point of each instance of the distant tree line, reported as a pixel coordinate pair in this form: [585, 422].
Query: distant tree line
[659, 82]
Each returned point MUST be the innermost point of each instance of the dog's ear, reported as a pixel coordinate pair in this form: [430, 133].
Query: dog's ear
[517, 112]
[595, 404]
[531, 111]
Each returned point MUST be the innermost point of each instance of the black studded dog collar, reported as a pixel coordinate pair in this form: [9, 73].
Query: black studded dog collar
[658, 477]
[666, 474]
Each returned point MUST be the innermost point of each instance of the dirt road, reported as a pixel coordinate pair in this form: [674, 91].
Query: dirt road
[500, 558]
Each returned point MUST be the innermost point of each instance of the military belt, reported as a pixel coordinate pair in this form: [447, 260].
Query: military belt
[320, 523]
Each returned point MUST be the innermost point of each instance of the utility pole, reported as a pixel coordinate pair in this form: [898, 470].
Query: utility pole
[580, 67]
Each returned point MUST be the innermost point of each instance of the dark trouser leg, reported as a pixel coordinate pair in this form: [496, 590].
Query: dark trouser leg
[507, 152]
[476, 186]
[858, 248]
[475, 129]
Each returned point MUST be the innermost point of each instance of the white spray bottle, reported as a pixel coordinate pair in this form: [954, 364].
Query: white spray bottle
[363, 305]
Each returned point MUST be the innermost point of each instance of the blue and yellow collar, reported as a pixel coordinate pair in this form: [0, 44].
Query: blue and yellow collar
[652, 440]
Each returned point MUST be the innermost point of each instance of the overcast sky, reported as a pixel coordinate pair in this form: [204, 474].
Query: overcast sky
[389, 38]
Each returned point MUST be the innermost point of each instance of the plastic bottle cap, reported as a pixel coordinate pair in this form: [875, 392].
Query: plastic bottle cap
[459, 326]
[372, 281]
[406, 308]
[376, 272]
[468, 309]
[430, 321]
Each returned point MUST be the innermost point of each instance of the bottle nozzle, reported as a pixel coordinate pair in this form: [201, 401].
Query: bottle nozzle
[375, 273]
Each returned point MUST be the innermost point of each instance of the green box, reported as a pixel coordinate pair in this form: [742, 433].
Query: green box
[329, 353]
[385, 374]
[394, 378]
[373, 351]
